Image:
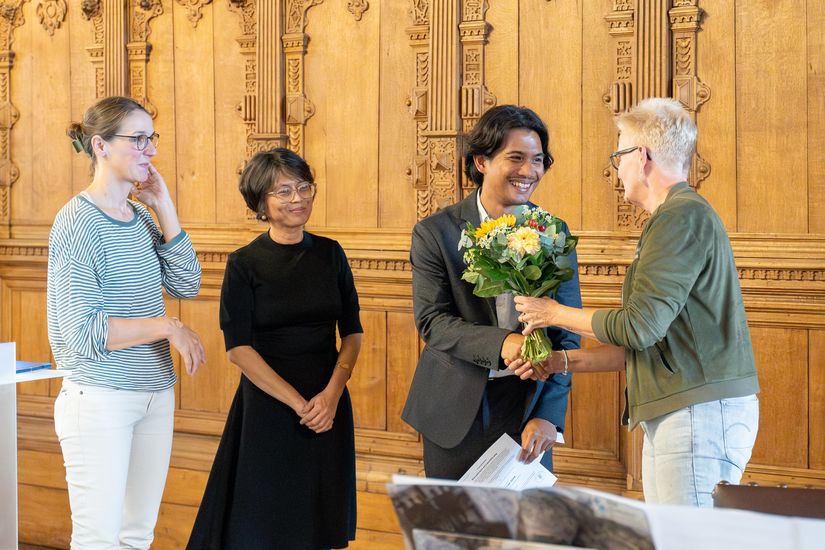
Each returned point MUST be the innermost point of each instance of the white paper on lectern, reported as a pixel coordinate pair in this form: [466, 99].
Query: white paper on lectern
[500, 467]
[7, 360]
[687, 528]
[8, 447]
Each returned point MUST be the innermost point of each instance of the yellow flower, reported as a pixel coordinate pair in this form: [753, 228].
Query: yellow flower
[507, 220]
[524, 240]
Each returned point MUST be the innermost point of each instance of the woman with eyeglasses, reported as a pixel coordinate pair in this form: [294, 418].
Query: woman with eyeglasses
[284, 473]
[108, 265]
[681, 333]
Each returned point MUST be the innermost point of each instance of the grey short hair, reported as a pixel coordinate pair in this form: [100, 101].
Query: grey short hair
[665, 127]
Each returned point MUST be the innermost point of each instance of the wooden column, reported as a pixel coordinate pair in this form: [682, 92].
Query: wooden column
[269, 82]
[443, 131]
[298, 107]
[11, 17]
[653, 48]
[93, 12]
[475, 97]
[139, 48]
[449, 95]
[274, 107]
[685, 23]
[418, 103]
[114, 47]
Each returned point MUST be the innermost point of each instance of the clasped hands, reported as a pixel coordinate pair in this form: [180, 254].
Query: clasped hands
[535, 313]
[318, 413]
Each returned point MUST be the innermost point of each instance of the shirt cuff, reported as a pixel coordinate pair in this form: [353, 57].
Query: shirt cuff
[174, 242]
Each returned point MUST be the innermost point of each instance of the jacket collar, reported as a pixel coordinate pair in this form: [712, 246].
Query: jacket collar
[468, 208]
[678, 188]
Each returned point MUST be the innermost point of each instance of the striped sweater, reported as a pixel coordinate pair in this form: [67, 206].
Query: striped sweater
[100, 267]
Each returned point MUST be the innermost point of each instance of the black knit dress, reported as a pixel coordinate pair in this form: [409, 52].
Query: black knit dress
[276, 484]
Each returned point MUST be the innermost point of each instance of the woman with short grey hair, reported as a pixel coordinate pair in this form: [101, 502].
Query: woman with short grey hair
[681, 333]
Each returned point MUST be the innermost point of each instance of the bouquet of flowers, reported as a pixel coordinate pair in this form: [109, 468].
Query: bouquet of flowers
[525, 253]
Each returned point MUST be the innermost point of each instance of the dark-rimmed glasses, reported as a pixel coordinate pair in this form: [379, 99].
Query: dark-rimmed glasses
[285, 193]
[614, 157]
[141, 141]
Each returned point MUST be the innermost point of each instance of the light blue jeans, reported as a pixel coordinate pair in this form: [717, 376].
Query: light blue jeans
[687, 452]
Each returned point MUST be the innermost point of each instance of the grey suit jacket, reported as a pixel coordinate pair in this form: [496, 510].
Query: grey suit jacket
[462, 337]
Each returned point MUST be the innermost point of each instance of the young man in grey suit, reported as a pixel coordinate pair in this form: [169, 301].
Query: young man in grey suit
[463, 397]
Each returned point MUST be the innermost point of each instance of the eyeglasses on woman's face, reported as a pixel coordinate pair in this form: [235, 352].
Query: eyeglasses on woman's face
[285, 193]
[615, 157]
[141, 141]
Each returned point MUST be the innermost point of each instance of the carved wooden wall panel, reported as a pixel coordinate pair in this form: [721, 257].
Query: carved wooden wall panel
[231, 62]
[449, 96]
[397, 133]
[717, 117]
[377, 96]
[772, 194]
[598, 48]
[656, 59]
[41, 112]
[93, 12]
[816, 120]
[816, 400]
[550, 77]
[194, 9]
[344, 85]
[11, 17]
[192, 108]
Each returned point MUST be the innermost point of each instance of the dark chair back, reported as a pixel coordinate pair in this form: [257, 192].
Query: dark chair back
[783, 501]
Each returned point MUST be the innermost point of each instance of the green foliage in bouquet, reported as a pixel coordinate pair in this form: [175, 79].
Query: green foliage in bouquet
[525, 253]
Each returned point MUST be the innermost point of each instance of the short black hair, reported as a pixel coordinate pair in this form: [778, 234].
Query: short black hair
[488, 136]
[263, 169]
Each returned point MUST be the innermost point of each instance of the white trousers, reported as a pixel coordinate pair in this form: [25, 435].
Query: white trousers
[116, 446]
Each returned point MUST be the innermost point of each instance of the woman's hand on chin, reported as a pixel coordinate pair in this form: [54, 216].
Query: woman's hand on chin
[153, 192]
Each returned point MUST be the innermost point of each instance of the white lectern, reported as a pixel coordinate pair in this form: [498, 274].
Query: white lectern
[8, 439]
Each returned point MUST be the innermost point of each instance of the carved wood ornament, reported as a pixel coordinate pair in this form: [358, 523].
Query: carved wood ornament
[121, 49]
[449, 96]
[273, 44]
[52, 13]
[193, 9]
[357, 8]
[11, 17]
[654, 43]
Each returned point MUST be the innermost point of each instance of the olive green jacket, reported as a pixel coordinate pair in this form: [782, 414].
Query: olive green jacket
[682, 321]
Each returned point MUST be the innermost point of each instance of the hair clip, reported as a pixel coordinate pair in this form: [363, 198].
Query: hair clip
[78, 146]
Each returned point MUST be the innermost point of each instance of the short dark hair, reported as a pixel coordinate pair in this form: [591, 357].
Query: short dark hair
[488, 136]
[263, 169]
[102, 119]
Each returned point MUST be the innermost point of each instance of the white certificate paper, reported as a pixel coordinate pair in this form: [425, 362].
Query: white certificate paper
[500, 467]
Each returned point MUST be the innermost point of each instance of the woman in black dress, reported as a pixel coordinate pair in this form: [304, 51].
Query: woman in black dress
[284, 473]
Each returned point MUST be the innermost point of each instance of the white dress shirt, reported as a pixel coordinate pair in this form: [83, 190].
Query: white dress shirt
[505, 305]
